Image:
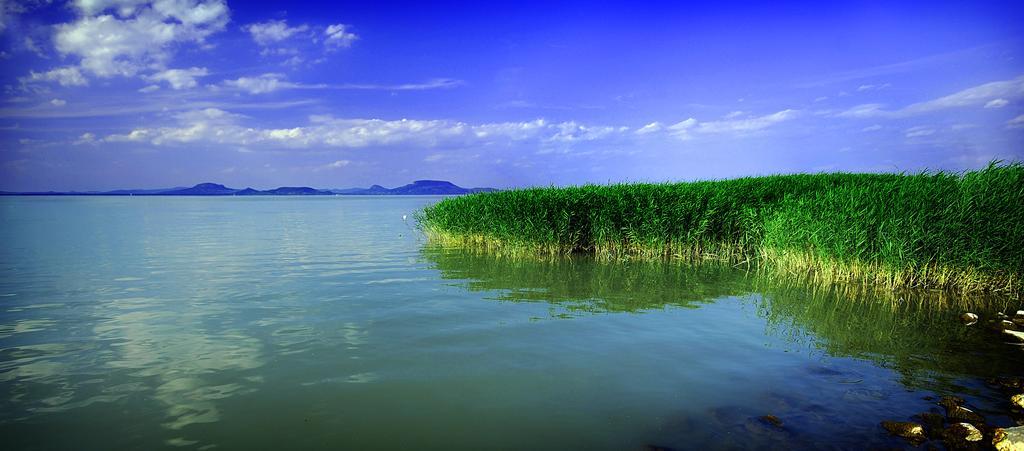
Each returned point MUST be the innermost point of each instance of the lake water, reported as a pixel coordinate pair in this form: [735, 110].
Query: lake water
[325, 322]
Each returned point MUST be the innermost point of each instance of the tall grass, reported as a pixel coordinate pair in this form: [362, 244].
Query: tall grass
[961, 231]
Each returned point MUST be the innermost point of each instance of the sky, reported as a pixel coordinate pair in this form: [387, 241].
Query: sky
[108, 94]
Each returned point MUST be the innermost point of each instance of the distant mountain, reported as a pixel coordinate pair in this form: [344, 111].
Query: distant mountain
[292, 191]
[430, 187]
[136, 192]
[202, 189]
[347, 191]
[214, 189]
[419, 187]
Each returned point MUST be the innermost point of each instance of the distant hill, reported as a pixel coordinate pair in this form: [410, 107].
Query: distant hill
[214, 189]
[202, 189]
[134, 192]
[293, 191]
[419, 187]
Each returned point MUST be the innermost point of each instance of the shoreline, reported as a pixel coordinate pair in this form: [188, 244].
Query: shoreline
[794, 265]
[956, 232]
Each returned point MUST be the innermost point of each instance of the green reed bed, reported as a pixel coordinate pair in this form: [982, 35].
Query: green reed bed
[961, 231]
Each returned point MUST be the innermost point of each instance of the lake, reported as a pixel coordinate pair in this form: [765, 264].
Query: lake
[327, 322]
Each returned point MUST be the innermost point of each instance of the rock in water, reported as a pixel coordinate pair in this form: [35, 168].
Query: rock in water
[1018, 400]
[1012, 334]
[911, 431]
[959, 434]
[1003, 324]
[950, 402]
[772, 420]
[1009, 439]
[932, 423]
[963, 414]
[1009, 383]
[969, 318]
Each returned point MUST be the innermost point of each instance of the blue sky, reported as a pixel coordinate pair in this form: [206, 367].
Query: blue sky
[103, 94]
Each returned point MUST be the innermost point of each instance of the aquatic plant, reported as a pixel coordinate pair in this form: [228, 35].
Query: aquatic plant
[958, 231]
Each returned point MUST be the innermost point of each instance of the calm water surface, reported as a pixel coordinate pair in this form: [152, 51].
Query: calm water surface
[287, 322]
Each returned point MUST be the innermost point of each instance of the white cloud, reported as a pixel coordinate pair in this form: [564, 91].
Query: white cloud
[210, 124]
[215, 126]
[337, 164]
[220, 127]
[870, 87]
[981, 95]
[65, 76]
[301, 44]
[997, 103]
[864, 110]
[972, 96]
[274, 31]
[273, 82]
[436, 83]
[653, 127]
[30, 45]
[58, 102]
[746, 125]
[90, 110]
[734, 114]
[686, 129]
[149, 89]
[122, 7]
[1017, 122]
[262, 84]
[872, 128]
[126, 45]
[86, 138]
[681, 129]
[919, 131]
[179, 78]
[337, 35]
[139, 35]
[185, 11]
[568, 132]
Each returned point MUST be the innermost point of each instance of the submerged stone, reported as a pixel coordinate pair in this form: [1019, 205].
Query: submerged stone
[963, 414]
[772, 420]
[909, 430]
[1009, 439]
[969, 318]
[950, 401]
[960, 434]
[932, 423]
[1008, 382]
